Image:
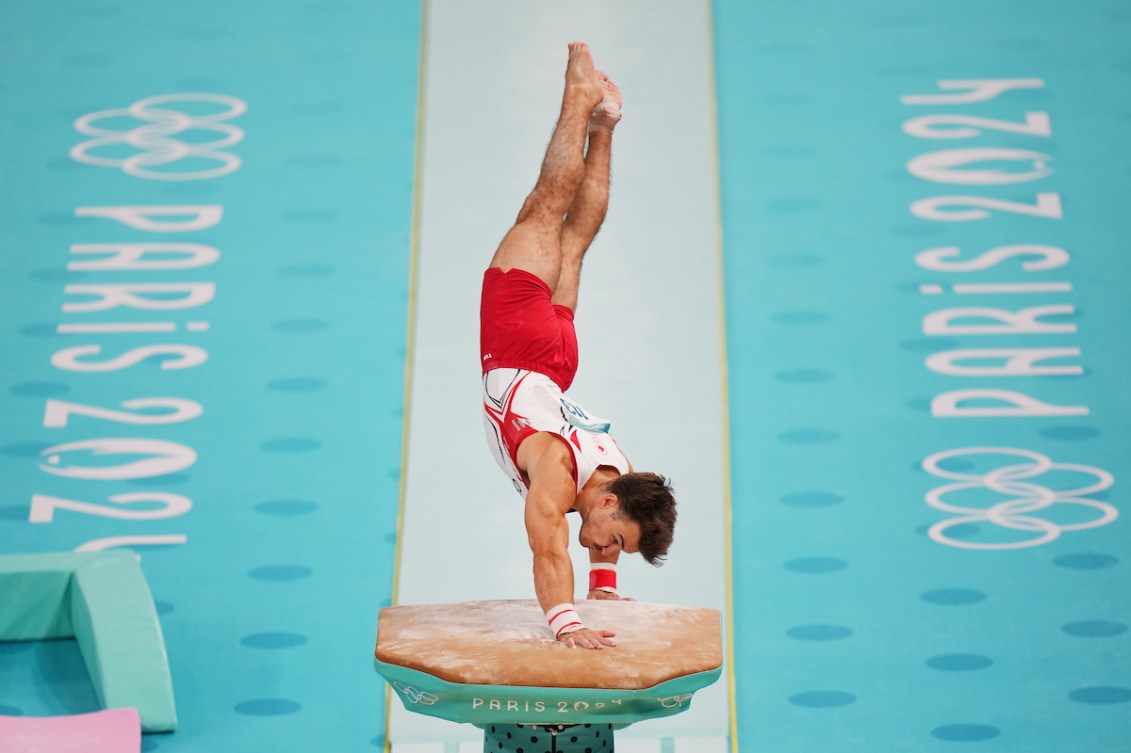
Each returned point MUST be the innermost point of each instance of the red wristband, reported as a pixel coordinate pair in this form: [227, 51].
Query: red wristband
[602, 576]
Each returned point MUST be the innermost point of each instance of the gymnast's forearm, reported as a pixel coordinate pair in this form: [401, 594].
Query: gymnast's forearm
[549, 542]
[553, 578]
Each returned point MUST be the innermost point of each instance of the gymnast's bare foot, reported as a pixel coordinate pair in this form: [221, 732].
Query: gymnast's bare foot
[606, 114]
[582, 79]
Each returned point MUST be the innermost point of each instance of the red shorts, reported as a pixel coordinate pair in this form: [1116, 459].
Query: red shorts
[520, 329]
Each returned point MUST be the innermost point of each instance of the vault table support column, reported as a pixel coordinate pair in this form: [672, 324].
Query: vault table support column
[548, 738]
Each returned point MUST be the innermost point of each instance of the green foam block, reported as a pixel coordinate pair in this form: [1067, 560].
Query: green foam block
[100, 599]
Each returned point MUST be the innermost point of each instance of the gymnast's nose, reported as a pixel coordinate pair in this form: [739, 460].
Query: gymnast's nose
[608, 548]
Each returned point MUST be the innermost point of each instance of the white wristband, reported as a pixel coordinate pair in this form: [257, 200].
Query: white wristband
[563, 619]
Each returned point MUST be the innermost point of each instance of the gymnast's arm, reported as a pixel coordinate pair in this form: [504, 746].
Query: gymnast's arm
[552, 490]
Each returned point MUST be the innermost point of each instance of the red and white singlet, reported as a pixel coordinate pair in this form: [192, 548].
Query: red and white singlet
[518, 403]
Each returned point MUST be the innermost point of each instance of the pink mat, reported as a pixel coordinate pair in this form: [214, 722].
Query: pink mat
[111, 731]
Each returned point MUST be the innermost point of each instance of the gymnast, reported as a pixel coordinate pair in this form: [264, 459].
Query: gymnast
[561, 457]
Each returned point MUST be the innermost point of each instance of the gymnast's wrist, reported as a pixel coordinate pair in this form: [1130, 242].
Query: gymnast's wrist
[603, 577]
[563, 619]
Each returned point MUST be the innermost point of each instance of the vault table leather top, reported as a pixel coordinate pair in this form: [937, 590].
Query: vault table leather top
[509, 643]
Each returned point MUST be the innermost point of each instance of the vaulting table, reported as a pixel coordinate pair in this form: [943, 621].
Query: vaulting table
[496, 665]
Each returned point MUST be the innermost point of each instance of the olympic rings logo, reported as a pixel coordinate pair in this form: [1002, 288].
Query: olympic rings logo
[675, 701]
[414, 696]
[1027, 497]
[155, 137]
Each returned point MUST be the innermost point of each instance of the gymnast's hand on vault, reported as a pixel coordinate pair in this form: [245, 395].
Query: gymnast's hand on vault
[586, 638]
[603, 595]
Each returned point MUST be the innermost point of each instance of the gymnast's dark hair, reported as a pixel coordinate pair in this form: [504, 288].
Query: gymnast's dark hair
[647, 500]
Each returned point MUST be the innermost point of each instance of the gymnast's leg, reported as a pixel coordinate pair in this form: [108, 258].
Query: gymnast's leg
[589, 206]
[534, 243]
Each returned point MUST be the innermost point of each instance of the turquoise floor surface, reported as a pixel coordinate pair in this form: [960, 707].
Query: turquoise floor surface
[867, 619]
[268, 585]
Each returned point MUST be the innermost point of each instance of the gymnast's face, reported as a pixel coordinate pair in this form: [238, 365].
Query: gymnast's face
[606, 532]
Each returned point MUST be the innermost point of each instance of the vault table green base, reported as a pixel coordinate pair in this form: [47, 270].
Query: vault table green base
[496, 665]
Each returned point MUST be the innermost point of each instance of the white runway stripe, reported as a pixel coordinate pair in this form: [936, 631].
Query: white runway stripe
[648, 317]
